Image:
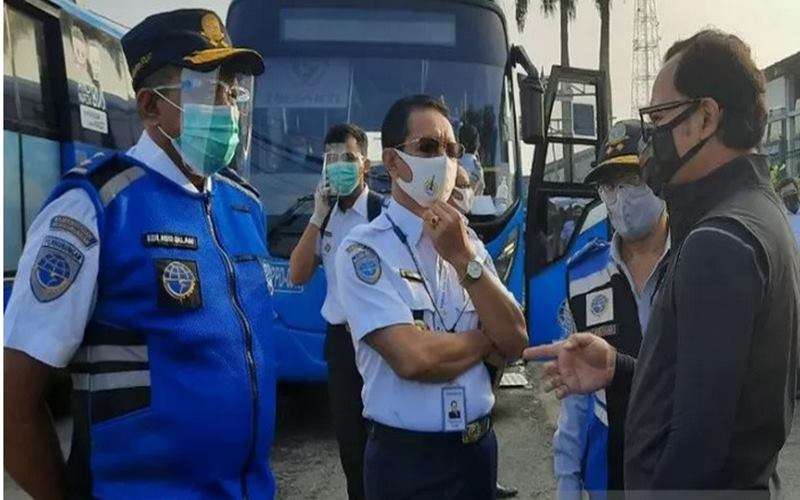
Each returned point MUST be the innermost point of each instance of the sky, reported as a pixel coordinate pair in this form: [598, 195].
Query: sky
[770, 27]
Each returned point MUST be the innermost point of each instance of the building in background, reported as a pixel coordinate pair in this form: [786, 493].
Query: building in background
[782, 140]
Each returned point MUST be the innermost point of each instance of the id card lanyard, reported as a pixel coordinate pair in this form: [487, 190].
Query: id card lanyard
[404, 240]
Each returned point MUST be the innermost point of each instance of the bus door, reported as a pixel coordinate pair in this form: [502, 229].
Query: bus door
[563, 213]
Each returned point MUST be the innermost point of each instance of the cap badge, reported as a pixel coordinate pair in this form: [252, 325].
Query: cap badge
[213, 32]
[617, 135]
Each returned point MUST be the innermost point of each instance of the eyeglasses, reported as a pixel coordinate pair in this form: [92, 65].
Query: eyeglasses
[607, 189]
[347, 156]
[429, 146]
[231, 91]
[650, 116]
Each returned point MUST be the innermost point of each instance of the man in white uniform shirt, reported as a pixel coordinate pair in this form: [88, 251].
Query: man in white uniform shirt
[342, 201]
[425, 308]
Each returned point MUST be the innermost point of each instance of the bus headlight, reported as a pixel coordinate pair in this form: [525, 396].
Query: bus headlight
[504, 261]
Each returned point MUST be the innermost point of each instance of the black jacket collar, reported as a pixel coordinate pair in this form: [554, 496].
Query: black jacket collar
[688, 203]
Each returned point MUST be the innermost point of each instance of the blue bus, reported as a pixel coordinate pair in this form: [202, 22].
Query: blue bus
[330, 61]
[67, 96]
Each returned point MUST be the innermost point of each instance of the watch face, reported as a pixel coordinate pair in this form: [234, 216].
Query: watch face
[474, 269]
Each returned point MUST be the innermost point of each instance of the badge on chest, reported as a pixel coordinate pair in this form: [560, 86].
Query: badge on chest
[600, 307]
[178, 284]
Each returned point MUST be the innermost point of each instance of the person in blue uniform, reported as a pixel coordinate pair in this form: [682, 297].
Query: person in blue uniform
[144, 274]
[611, 287]
[425, 308]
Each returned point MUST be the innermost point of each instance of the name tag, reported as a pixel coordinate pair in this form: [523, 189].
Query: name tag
[170, 240]
[454, 408]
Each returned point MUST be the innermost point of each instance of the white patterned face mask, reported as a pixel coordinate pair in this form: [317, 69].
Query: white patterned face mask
[432, 179]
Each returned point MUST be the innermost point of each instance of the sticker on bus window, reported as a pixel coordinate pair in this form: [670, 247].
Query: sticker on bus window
[94, 119]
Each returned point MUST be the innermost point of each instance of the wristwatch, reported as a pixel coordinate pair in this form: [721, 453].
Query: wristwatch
[474, 272]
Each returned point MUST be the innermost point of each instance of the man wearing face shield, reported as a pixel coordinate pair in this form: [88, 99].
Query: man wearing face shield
[144, 276]
[611, 287]
[342, 201]
[425, 307]
[712, 391]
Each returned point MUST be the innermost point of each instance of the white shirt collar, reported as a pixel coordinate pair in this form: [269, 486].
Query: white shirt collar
[406, 220]
[360, 205]
[149, 153]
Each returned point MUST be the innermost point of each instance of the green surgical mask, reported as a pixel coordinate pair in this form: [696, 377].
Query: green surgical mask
[343, 177]
[209, 136]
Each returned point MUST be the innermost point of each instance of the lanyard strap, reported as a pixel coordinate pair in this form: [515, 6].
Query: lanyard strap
[404, 240]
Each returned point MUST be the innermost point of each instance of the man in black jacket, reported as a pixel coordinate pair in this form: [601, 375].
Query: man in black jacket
[712, 391]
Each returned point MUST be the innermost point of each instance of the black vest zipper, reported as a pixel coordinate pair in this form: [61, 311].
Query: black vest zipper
[248, 344]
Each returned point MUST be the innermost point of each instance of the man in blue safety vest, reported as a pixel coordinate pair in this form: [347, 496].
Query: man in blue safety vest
[144, 274]
[611, 287]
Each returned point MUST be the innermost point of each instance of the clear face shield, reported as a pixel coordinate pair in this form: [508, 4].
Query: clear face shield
[216, 119]
[342, 169]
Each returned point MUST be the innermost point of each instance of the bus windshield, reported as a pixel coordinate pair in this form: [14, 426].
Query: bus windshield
[299, 97]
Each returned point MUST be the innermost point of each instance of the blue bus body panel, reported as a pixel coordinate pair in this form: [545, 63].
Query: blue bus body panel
[548, 290]
[300, 329]
[516, 279]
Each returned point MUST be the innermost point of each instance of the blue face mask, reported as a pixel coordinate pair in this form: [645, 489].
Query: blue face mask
[209, 136]
[343, 177]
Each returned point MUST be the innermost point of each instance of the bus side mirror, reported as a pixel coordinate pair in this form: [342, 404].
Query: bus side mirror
[531, 97]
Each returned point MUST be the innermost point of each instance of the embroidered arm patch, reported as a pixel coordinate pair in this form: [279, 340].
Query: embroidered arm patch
[75, 228]
[366, 263]
[55, 268]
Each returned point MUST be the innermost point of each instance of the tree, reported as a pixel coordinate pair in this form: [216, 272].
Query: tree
[521, 14]
[604, 6]
[566, 9]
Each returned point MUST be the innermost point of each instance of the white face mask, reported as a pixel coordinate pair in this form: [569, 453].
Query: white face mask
[464, 205]
[633, 210]
[432, 179]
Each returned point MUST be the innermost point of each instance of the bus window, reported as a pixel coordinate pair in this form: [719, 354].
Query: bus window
[12, 201]
[33, 100]
[41, 173]
[102, 109]
[32, 156]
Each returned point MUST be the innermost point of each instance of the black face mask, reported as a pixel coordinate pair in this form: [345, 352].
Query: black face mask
[659, 157]
[792, 202]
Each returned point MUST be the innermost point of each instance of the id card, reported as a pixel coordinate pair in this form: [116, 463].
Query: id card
[454, 408]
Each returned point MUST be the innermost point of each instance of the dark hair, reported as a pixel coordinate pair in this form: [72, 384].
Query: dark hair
[341, 131]
[788, 181]
[719, 65]
[468, 136]
[395, 125]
